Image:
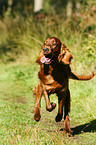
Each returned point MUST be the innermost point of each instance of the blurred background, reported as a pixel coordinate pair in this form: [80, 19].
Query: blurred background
[25, 24]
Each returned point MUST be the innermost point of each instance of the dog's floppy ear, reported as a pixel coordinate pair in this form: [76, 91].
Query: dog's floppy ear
[38, 60]
[65, 56]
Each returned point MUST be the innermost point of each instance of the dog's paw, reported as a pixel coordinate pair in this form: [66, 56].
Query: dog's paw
[58, 117]
[53, 104]
[37, 117]
[51, 107]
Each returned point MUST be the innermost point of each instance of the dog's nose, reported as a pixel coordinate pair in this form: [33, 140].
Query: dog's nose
[45, 50]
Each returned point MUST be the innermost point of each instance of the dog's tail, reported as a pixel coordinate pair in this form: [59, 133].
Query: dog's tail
[81, 77]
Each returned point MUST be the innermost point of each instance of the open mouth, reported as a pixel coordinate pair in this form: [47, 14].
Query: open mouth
[47, 59]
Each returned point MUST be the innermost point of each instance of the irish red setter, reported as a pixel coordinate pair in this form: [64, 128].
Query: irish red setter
[54, 75]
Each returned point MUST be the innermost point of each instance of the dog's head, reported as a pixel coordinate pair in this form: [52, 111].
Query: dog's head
[53, 50]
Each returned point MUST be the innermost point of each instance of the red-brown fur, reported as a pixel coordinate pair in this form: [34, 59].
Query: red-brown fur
[54, 74]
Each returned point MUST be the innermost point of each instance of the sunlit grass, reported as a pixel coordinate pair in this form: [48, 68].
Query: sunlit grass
[17, 109]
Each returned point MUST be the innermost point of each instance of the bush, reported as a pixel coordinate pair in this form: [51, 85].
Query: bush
[91, 48]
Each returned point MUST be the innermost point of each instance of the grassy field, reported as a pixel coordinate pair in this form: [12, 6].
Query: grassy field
[17, 106]
[20, 43]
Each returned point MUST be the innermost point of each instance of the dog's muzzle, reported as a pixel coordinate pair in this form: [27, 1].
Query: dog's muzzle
[45, 50]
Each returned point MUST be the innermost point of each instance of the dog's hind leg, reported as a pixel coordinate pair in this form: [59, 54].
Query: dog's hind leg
[61, 99]
[66, 111]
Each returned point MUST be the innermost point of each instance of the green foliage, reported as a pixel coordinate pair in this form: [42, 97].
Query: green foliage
[91, 48]
[23, 34]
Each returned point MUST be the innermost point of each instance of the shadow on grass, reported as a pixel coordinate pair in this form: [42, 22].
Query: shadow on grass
[88, 127]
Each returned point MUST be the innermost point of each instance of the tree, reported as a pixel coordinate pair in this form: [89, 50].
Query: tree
[38, 5]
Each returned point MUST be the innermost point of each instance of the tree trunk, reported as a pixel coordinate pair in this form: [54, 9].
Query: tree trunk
[9, 6]
[69, 9]
[38, 5]
[78, 8]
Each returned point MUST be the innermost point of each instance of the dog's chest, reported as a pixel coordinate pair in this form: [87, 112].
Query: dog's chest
[53, 78]
[45, 74]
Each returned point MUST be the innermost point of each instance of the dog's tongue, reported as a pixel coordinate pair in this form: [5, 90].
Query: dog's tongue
[44, 59]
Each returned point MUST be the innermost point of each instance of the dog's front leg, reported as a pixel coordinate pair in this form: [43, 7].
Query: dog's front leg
[38, 93]
[49, 106]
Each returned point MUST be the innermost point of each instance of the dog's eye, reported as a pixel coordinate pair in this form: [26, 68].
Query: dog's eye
[44, 43]
[54, 43]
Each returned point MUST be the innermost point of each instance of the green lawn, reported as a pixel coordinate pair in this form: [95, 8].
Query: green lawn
[17, 107]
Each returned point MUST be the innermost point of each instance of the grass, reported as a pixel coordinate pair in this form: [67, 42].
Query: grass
[17, 106]
[20, 43]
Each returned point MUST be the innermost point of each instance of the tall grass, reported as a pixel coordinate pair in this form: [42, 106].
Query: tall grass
[24, 37]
